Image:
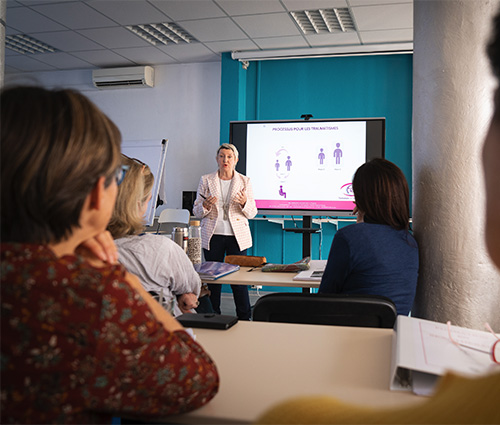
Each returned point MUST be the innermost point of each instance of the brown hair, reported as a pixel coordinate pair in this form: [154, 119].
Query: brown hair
[382, 194]
[56, 144]
[133, 192]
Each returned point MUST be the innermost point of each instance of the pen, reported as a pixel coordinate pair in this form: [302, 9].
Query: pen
[204, 197]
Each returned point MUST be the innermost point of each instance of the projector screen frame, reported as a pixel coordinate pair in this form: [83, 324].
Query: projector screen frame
[375, 148]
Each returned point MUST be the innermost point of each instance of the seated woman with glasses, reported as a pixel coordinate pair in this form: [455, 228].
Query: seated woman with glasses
[377, 255]
[82, 341]
[161, 265]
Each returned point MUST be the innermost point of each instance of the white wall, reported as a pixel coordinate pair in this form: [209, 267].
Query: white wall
[184, 107]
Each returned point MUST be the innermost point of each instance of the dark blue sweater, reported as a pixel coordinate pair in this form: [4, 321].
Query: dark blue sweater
[373, 259]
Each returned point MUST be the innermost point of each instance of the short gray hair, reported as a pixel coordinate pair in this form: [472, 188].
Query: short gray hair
[229, 146]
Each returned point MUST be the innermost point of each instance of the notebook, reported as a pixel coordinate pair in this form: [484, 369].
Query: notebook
[212, 270]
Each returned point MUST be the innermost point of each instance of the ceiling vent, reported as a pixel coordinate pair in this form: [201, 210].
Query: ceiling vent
[116, 78]
[324, 20]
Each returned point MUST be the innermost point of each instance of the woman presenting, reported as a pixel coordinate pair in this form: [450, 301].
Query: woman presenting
[225, 202]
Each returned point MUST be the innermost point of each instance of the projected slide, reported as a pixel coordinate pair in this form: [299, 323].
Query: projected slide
[304, 165]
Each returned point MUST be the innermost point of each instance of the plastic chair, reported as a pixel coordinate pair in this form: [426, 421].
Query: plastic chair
[174, 217]
[369, 311]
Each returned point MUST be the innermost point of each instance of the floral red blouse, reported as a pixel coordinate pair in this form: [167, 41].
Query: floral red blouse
[79, 345]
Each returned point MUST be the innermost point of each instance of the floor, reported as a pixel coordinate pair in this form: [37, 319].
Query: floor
[227, 303]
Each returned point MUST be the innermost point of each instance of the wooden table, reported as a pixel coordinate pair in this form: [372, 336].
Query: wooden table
[263, 363]
[256, 277]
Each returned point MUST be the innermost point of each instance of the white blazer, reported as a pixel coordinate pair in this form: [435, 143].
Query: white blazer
[238, 216]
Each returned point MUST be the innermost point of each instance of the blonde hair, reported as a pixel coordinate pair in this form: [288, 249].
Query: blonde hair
[228, 146]
[133, 192]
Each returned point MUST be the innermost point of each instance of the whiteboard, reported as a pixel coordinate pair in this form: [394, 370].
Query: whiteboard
[153, 153]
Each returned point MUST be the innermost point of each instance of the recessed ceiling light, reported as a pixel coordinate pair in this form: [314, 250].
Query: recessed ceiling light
[163, 33]
[324, 20]
[24, 44]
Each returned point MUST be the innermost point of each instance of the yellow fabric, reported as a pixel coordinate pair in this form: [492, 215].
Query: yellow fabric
[457, 400]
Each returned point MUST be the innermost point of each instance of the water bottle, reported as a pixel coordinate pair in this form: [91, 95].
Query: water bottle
[180, 237]
[194, 242]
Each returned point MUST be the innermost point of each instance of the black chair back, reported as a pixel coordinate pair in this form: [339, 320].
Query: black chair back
[371, 311]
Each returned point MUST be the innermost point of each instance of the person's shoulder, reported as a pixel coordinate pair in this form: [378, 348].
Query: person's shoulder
[19, 251]
[365, 230]
[352, 229]
[241, 176]
[209, 176]
[149, 240]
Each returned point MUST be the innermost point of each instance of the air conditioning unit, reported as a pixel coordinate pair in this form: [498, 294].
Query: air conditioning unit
[114, 78]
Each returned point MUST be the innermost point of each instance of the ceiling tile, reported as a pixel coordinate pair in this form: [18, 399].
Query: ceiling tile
[296, 5]
[129, 12]
[9, 52]
[29, 21]
[39, 2]
[238, 7]
[371, 2]
[281, 42]
[339, 38]
[68, 41]
[28, 63]
[75, 15]
[13, 3]
[89, 29]
[218, 29]
[271, 25]
[229, 46]
[394, 36]
[182, 10]
[146, 55]
[63, 61]
[103, 58]
[190, 53]
[114, 38]
[385, 17]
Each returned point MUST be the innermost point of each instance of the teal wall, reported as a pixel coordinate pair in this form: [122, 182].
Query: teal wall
[343, 87]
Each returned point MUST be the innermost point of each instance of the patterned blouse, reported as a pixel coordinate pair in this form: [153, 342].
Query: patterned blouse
[80, 345]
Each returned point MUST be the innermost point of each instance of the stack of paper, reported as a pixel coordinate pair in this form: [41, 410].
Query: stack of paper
[315, 272]
[212, 270]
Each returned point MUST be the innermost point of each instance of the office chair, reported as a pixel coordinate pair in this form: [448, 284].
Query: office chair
[174, 217]
[371, 311]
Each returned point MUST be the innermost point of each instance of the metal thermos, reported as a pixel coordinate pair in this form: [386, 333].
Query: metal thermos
[180, 237]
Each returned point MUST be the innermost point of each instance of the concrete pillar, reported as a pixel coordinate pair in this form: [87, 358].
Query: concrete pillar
[452, 104]
[3, 14]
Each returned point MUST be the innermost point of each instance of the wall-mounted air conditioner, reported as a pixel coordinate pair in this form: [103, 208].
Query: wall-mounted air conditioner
[113, 78]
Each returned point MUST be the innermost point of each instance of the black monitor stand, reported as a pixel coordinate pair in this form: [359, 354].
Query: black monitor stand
[307, 230]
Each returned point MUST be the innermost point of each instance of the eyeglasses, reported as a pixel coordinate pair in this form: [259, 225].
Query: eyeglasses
[138, 162]
[120, 173]
[495, 348]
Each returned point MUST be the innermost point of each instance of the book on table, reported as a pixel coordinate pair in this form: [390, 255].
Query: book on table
[213, 270]
[315, 272]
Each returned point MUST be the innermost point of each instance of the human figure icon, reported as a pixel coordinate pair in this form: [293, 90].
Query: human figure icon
[282, 193]
[337, 154]
[321, 156]
[288, 163]
[277, 165]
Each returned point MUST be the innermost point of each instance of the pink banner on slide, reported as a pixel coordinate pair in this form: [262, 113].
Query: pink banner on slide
[304, 205]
